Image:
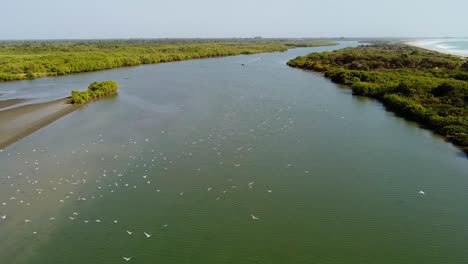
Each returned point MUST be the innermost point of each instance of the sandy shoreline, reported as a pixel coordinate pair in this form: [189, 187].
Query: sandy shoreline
[19, 122]
[11, 102]
[420, 44]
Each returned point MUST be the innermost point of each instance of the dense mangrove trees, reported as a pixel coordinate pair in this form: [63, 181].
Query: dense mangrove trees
[33, 59]
[424, 86]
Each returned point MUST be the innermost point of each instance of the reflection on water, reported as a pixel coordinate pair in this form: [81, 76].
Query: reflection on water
[210, 162]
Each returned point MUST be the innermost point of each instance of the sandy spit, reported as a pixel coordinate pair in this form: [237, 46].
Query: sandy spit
[19, 122]
[10, 102]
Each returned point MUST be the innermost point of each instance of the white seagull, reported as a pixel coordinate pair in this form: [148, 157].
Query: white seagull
[126, 259]
[129, 232]
[254, 217]
[3, 217]
[147, 235]
[421, 192]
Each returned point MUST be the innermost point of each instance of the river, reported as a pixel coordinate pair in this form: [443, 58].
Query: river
[222, 163]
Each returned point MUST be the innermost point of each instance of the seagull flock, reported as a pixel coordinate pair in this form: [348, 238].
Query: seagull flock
[44, 178]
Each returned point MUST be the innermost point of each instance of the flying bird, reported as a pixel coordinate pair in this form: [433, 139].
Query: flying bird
[254, 217]
[147, 235]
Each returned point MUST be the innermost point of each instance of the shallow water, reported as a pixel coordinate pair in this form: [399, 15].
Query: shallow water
[191, 152]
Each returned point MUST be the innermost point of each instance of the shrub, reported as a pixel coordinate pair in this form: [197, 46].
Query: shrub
[95, 91]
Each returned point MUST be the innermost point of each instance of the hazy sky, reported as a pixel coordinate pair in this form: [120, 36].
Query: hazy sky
[45, 19]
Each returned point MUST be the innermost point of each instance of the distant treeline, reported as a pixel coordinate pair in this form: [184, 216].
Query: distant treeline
[424, 86]
[95, 90]
[33, 59]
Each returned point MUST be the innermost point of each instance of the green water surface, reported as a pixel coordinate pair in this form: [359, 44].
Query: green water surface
[191, 152]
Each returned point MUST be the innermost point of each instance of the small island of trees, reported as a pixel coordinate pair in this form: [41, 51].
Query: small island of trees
[95, 90]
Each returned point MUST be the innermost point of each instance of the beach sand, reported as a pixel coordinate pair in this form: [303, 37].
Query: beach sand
[16, 123]
[422, 44]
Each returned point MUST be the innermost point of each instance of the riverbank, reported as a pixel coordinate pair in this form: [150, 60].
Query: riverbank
[35, 59]
[425, 44]
[19, 122]
[429, 88]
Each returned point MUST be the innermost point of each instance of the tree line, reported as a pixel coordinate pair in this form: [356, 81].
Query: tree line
[428, 87]
[33, 59]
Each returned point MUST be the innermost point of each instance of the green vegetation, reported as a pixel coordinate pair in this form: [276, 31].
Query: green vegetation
[95, 90]
[424, 86]
[33, 59]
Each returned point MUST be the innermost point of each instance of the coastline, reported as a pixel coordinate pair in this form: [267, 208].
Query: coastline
[420, 44]
[19, 122]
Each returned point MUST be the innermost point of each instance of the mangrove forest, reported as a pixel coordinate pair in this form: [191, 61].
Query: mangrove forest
[421, 85]
[33, 59]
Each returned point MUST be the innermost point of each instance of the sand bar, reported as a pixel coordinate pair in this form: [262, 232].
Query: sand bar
[16, 123]
[11, 102]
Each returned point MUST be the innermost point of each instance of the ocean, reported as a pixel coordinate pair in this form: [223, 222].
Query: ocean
[453, 46]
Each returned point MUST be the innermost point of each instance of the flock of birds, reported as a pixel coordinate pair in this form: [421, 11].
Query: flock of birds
[44, 178]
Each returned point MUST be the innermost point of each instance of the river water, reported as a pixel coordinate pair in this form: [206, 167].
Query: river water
[223, 163]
